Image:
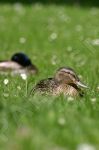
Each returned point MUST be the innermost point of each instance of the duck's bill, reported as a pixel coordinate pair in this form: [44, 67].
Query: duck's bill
[81, 85]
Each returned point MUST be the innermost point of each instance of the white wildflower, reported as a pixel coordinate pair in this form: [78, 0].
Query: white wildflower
[95, 42]
[53, 36]
[5, 94]
[93, 99]
[65, 18]
[69, 48]
[70, 98]
[54, 60]
[22, 40]
[94, 11]
[6, 81]
[17, 6]
[80, 76]
[97, 87]
[61, 121]
[23, 76]
[18, 87]
[85, 147]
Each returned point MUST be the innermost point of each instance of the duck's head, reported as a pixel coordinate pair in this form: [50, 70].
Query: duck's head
[21, 59]
[68, 76]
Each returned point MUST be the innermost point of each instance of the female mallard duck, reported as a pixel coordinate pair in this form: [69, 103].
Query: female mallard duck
[64, 82]
[19, 63]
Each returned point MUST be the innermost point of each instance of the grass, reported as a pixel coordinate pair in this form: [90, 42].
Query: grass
[54, 36]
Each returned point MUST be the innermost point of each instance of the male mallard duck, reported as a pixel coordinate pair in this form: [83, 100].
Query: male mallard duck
[19, 63]
[64, 82]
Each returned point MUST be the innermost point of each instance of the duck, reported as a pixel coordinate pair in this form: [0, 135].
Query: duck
[18, 64]
[65, 81]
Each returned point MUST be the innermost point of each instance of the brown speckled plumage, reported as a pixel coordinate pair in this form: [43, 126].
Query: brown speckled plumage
[64, 82]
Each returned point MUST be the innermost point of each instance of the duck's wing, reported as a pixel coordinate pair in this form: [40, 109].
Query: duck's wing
[44, 86]
[79, 90]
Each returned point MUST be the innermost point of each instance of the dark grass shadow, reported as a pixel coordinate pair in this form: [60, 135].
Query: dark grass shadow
[83, 3]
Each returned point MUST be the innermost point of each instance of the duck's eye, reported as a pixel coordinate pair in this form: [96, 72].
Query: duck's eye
[73, 75]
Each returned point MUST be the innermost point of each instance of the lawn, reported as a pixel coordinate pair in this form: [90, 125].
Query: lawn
[52, 36]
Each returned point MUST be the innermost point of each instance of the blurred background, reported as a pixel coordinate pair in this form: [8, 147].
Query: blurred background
[58, 2]
[53, 33]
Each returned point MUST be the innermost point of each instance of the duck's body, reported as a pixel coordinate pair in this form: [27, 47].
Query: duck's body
[60, 84]
[52, 87]
[18, 64]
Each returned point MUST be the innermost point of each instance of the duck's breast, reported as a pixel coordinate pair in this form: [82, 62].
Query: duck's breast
[66, 90]
[71, 91]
